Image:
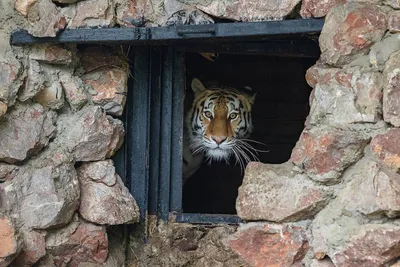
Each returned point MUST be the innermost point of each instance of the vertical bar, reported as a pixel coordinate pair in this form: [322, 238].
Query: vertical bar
[165, 148]
[155, 123]
[138, 130]
[177, 131]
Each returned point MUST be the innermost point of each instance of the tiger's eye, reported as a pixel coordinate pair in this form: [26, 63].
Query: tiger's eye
[233, 116]
[208, 114]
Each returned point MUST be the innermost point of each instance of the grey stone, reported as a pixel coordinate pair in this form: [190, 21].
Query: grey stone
[381, 51]
[11, 79]
[74, 89]
[34, 82]
[45, 19]
[391, 90]
[93, 14]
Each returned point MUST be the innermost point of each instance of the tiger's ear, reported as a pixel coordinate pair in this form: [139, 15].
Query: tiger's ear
[197, 86]
[252, 98]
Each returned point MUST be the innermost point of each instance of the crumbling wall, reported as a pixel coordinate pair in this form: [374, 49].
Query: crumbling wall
[335, 203]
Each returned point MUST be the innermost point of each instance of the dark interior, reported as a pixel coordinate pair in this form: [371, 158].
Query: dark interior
[279, 112]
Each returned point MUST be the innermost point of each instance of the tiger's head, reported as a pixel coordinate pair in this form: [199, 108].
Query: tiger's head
[219, 118]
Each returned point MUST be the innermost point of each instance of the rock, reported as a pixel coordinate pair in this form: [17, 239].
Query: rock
[255, 10]
[321, 263]
[7, 172]
[277, 245]
[318, 8]
[45, 19]
[34, 81]
[323, 153]
[109, 89]
[344, 96]
[3, 108]
[394, 22]
[97, 57]
[10, 242]
[10, 82]
[23, 6]
[93, 14]
[372, 245]
[189, 17]
[76, 243]
[90, 135]
[349, 31]
[381, 51]
[34, 249]
[75, 90]
[371, 190]
[391, 90]
[393, 3]
[51, 54]
[104, 198]
[387, 148]
[47, 197]
[31, 127]
[51, 96]
[66, 1]
[276, 193]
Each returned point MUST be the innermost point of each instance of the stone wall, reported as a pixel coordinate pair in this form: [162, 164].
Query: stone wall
[335, 203]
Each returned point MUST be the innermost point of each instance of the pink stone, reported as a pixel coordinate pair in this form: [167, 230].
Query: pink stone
[318, 8]
[387, 148]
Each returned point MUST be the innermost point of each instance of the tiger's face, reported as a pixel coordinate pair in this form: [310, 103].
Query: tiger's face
[219, 118]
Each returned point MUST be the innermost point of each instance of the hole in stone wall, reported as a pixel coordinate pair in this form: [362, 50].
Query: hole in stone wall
[279, 113]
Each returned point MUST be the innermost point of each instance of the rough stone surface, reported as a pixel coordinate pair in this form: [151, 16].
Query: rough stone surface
[349, 31]
[104, 198]
[371, 190]
[7, 172]
[74, 89]
[10, 244]
[23, 6]
[394, 22]
[109, 89]
[270, 245]
[77, 243]
[52, 96]
[387, 148]
[34, 81]
[393, 3]
[90, 135]
[244, 10]
[30, 128]
[34, 249]
[93, 14]
[66, 1]
[45, 19]
[44, 198]
[276, 193]
[318, 8]
[51, 54]
[323, 153]
[97, 57]
[321, 263]
[10, 81]
[344, 96]
[391, 90]
[3, 108]
[381, 51]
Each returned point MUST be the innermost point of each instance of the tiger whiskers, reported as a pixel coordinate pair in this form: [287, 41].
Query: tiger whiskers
[245, 152]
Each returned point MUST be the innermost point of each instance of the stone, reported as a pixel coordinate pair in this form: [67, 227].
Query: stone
[90, 135]
[373, 245]
[394, 22]
[344, 96]
[371, 190]
[387, 148]
[93, 14]
[318, 8]
[76, 243]
[323, 153]
[381, 51]
[391, 90]
[51, 54]
[34, 249]
[189, 17]
[110, 87]
[47, 197]
[104, 198]
[3, 108]
[97, 57]
[276, 193]
[74, 89]
[10, 242]
[349, 31]
[23, 6]
[321, 263]
[52, 96]
[66, 1]
[24, 132]
[10, 82]
[255, 10]
[393, 3]
[45, 19]
[261, 244]
[7, 172]
[34, 83]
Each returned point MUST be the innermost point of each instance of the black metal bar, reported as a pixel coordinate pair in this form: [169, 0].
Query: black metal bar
[155, 131]
[176, 34]
[165, 148]
[177, 131]
[138, 130]
[198, 218]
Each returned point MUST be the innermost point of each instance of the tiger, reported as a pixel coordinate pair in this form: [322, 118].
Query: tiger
[216, 127]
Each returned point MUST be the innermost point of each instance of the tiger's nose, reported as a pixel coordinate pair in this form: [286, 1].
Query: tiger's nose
[218, 139]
